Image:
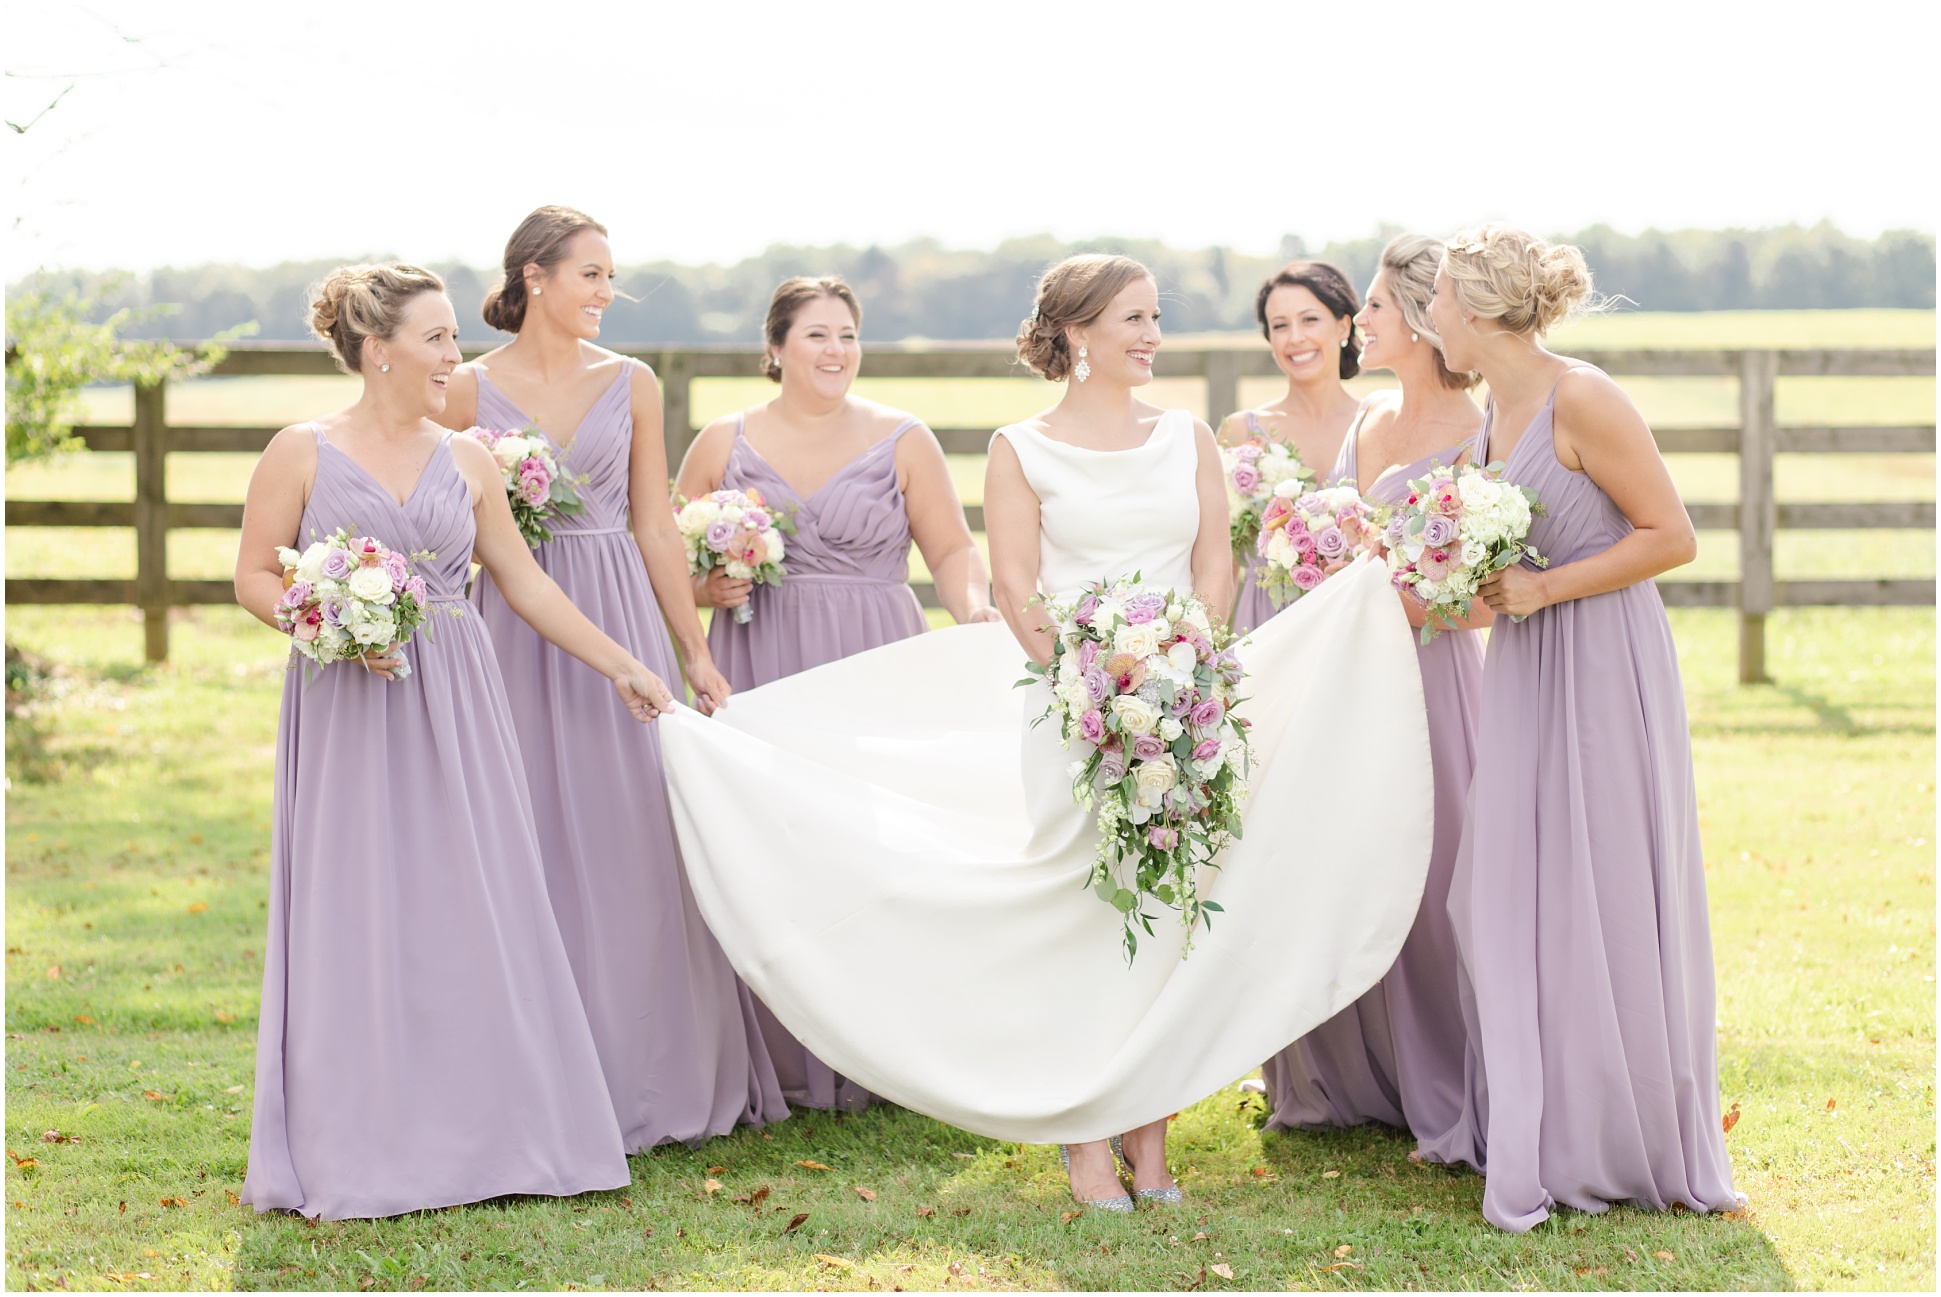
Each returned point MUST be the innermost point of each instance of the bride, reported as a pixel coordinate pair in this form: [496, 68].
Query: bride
[890, 854]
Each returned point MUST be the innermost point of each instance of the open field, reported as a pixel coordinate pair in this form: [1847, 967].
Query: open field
[136, 846]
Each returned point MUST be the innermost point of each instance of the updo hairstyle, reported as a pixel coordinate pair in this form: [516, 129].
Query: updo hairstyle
[791, 295]
[1511, 276]
[358, 302]
[1072, 294]
[1336, 293]
[1410, 262]
[541, 241]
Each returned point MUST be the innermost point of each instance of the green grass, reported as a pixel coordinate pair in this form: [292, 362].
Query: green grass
[136, 851]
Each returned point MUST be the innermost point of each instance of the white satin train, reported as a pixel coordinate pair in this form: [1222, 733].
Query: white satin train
[902, 879]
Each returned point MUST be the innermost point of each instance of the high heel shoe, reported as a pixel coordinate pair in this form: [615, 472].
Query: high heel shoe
[1122, 1203]
[1170, 1196]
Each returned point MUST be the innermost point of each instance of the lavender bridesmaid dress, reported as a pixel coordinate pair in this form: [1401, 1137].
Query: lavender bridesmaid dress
[1579, 897]
[1396, 1054]
[847, 590]
[675, 1027]
[421, 1042]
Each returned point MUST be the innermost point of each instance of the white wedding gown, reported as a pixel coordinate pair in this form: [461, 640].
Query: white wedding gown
[892, 860]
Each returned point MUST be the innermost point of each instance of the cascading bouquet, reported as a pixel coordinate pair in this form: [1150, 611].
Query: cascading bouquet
[1457, 527]
[345, 595]
[1302, 532]
[736, 530]
[1254, 469]
[534, 484]
[1145, 683]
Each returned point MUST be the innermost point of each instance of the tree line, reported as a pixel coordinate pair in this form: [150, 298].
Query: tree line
[922, 289]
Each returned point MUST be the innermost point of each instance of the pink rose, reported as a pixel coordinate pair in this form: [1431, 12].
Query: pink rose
[415, 587]
[1088, 654]
[1163, 838]
[1207, 750]
[1088, 608]
[1146, 747]
[1207, 714]
[1091, 727]
[394, 564]
[1303, 540]
[1245, 478]
[1306, 578]
[532, 491]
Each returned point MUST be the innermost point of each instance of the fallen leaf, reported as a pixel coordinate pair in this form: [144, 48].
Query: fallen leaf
[153, 1096]
[1830, 1103]
[175, 1202]
[224, 1015]
[1731, 1119]
[198, 907]
[960, 1211]
[1664, 1256]
[1341, 1265]
[1070, 1216]
[813, 1166]
[234, 1201]
[956, 1268]
[84, 1019]
[795, 1222]
[1346, 1249]
[926, 1211]
[1222, 1269]
[1200, 1237]
[26, 1163]
[867, 1195]
[55, 1137]
[1260, 1170]
[712, 1186]
[717, 1170]
[1630, 1256]
[1331, 1175]
[840, 1263]
[755, 1199]
[54, 973]
[968, 1157]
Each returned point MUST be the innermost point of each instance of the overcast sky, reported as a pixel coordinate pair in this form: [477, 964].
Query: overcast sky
[256, 132]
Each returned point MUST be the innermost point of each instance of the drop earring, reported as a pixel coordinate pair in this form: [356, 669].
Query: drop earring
[1083, 369]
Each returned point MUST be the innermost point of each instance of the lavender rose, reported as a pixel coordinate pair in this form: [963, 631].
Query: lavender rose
[1146, 747]
[1207, 714]
[1306, 578]
[1398, 530]
[1091, 727]
[1144, 607]
[1207, 750]
[1438, 530]
[718, 534]
[1246, 479]
[338, 564]
[1112, 767]
[1097, 685]
[1331, 543]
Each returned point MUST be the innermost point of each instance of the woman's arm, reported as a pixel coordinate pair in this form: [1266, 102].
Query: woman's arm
[938, 527]
[1213, 565]
[1011, 528]
[1600, 433]
[701, 472]
[661, 545]
[501, 550]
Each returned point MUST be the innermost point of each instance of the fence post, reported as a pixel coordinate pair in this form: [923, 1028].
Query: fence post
[1758, 514]
[1222, 385]
[676, 372]
[151, 515]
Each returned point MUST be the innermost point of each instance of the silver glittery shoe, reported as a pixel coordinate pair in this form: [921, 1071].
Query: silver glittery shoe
[1172, 1195]
[1122, 1203]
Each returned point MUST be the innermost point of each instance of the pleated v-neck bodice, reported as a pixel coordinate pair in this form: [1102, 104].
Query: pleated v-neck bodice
[853, 525]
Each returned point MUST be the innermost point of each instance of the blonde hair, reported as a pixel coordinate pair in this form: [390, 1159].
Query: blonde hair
[1517, 279]
[791, 295]
[1409, 261]
[541, 241]
[358, 302]
[1073, 293]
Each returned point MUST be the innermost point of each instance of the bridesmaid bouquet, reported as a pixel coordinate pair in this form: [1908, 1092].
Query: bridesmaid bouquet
[535, 486]
[1302, 532]
[736, 530]
[1254, 470]
[347, 594]
[1144, 681]
[1454, 530]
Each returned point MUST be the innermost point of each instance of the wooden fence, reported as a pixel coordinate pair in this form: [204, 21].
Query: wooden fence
[1756, 438]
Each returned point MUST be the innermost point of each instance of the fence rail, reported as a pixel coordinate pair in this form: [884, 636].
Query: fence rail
[1755, 439]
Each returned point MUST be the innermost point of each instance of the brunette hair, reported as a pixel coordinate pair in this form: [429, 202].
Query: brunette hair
[1517, 279]
[1072, 293]
[353, 303]
[791, 295]
[541, 241]
[1336, 293]
[1410, 262]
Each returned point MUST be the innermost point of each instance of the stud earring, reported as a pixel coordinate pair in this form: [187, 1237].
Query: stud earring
[1083, 369]
[537, 291]
[1344, 344]
[383, 369]
[1415, 337]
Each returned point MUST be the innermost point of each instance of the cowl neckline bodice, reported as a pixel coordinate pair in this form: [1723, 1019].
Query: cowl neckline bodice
[1578, 518]
[600, 449]
[854, 524]
[435, 518]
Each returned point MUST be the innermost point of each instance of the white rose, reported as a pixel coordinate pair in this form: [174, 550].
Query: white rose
[1140, 641]
[773, 542]
[310, 564]
[1136, 715]
[1280, 550]
[1169, 729]
[1289, 489]
[287, 556]
[739, 571]
[371, 632]
[371, 583]
[1077, 701]
[1154, 779]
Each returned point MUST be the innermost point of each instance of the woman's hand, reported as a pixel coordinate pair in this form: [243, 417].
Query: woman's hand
[711, 688]
[387, 662]
[716, 589]
[1515, 592]
[645, 694]
[986, 613]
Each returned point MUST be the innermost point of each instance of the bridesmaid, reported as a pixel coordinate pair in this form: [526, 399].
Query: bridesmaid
[1396, 1055]
[675, 1028]
[862, 480]
[1307, 314]
[421, 1041]
[1578, 899]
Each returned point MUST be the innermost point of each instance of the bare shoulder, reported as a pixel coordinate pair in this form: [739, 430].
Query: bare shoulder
[640, 374]
[1233, 429]
[711, 446]
[1589, 399]
[292, 449]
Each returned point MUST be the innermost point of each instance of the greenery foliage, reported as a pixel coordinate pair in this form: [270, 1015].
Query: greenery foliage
[56, 346]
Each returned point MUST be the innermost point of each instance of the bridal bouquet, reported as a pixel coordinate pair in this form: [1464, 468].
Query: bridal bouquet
[348, 594]
[534, 485]
[1254, 470]
[1144, 682]
[1454, 530]
[1304, 531]
[736, 530]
